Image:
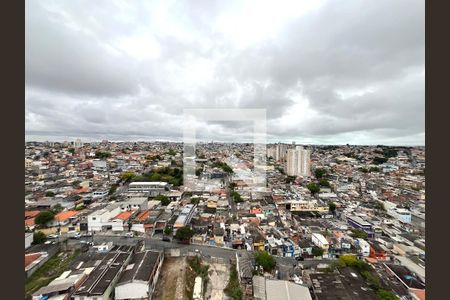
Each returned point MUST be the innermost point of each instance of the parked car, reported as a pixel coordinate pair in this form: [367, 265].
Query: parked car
[52, 236]
[130, 234]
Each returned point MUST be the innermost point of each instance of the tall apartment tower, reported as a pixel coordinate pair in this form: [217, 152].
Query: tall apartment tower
[280, 151]
[78, 143]
[298, 162]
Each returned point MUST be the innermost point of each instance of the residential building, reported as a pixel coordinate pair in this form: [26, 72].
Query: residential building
[138, 280]
[298, 162]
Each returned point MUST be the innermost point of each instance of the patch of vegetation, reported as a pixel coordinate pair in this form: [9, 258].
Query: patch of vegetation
[171, 152]
[386, 295]
[290, 179]
[168, 230]
[332, 207]
[374, 169]
[233, 288]
[378, 160]
[265, 260]
[164, 200]
[359, 233]
[53, 268]
[324, 182]
[102, 155]
[39, 237]
[236, 197]
[43, 217]
[317, 251]
[112, 189]
[49, 194]
[195, 200]
[313, 187]
[173, 176]
[184, 233]
[127, 176]
[319, 173]
[226, 168]
[200, 269]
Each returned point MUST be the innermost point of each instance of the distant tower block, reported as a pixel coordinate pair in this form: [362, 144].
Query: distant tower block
[78, 143]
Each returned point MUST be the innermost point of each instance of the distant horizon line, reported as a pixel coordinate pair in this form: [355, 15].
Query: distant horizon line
[221, 142]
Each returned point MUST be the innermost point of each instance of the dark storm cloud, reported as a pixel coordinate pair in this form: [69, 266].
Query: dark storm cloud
[331, 74]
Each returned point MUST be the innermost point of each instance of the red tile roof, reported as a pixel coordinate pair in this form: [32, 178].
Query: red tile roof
[143, 215]
[29, 258]
[64, 215]
[123, 215]
[31, 213]
[29, 222]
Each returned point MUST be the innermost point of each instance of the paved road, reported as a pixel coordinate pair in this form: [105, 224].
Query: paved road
[224, 253]
[208, 251]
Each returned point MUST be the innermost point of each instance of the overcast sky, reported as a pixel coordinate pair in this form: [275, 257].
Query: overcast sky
[328, 72]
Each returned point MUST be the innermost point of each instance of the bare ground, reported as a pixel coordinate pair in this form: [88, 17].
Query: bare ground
[218, 280]
[171, 282]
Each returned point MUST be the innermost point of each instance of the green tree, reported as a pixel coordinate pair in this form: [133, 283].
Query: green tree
[43, 217]
[112, 189]
[164, 200]
[379, 160]
[49, 194]
[195, 200]
[71, 150]
[184, 233]
[359, 233]
[171, 152]
[386, 295]
[314, 188]
[127, 176]
[264, 259]
[332, 207]
[57, 208]
[39, 237]
[317, 251]
[102, 155]
[168, 230]
[290, 179]
[233, 288]
[236, 197]
[374, 169]
[76, 184]
[319, 173]
[324, 182]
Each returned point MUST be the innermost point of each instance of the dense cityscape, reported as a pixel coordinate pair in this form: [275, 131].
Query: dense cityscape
[115, 220]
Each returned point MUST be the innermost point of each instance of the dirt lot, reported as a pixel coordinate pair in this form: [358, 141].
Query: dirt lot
[218, 279]
[171, 282]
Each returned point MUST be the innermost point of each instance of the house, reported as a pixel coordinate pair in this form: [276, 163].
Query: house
[60, 288]
[100, 219]
[138, 280]
[320, 241]
[359, 223]
[63, 218]
[244, 266]
[377, 251]
[269, 289]
[101, 280]
[219, 233]
[305, 247]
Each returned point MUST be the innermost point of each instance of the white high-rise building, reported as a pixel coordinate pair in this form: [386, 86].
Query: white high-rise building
[280, 151]
[78, 143]
[298, 162]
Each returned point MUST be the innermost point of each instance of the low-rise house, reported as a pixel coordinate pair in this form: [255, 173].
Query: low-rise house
[138, 280]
